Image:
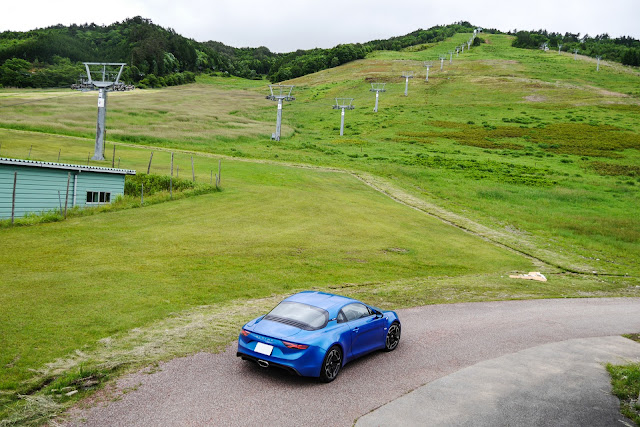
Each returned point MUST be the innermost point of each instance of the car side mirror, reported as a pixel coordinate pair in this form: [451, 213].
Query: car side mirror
[378, 314]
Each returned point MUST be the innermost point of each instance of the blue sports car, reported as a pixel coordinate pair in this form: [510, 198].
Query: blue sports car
[314, 334]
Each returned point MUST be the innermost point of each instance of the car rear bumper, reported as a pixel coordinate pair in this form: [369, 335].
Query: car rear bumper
[305, 363]
[270, 364]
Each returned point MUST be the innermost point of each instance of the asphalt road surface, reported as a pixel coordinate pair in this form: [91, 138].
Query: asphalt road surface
[222, 390]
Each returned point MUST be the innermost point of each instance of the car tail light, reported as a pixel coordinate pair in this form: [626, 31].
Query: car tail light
[245, 332]
[296, 346]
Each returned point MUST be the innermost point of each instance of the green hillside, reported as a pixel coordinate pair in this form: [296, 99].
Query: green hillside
[518, 139]
[159, 57]
[507, 160]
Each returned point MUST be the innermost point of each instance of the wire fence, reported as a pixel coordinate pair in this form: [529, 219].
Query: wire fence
[159, 162]
[181, 170]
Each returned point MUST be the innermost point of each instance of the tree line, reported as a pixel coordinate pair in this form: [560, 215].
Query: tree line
[303, 62]
[621, 49]
[53, 56]
[156, 57]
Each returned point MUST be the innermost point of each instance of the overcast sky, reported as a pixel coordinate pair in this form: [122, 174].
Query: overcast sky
[287, 25]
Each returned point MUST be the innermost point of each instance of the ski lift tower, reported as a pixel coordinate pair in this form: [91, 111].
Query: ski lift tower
[428, 64]
[457, 51]
[442, 58]
[575, 54]
[280, 93]
[450, 57]
[559, 48]
[377, 88]
[407, 75]
[343, 104]
[104, 82]
[462, 48]
[598, 66]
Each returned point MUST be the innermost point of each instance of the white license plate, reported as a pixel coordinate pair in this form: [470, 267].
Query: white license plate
[264, 348]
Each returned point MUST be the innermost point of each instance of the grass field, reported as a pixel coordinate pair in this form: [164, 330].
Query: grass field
[526, 141]
[527, 150]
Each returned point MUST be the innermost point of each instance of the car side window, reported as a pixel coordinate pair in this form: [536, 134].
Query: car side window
[355, 311]
[341, 317]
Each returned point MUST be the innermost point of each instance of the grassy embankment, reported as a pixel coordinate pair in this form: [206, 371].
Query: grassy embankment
[521, 142]
[625, 380]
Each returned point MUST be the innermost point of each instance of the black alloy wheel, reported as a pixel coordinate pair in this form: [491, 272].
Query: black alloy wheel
[331, 364]
[393, 337]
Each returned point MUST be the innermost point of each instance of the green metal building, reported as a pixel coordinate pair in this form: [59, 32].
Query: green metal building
[42, 186]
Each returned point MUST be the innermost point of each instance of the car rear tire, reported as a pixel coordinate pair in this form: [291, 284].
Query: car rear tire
[393, 337]
[331, 364]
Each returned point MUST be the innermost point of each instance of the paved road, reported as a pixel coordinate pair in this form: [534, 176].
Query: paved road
[221, 390]
[558, 384]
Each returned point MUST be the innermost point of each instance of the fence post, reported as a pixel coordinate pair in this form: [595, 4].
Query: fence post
[59, 151]
[219, 171]
[171, 179]
[211, 179]
[59, 201]
[13, 200]
[29, 156]
[66, 197]
[142, 195]
[118, 162]
[113, 158]
[193, 171]
[149, 167]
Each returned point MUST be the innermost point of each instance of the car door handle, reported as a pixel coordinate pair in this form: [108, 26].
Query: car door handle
[356, 329]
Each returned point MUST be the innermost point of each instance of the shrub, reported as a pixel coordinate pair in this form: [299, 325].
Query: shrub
[154, 184]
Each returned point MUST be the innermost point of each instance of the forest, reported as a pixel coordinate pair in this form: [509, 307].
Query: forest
[156, 57]
[625, 50]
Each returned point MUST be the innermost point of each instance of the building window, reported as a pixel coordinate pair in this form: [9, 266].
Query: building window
[97, 197]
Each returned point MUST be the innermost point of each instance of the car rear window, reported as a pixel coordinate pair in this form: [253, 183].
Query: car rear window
[303, 316]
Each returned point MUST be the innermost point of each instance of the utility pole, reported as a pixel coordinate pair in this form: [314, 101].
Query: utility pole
[280, 93]
[407, 75]
[377, 88]
[103, 85]
[428, 64]
[343, 104]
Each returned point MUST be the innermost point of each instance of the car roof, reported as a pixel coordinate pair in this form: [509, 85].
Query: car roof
[323, 300]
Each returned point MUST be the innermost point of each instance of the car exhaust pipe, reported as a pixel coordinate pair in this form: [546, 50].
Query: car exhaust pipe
[263, 363]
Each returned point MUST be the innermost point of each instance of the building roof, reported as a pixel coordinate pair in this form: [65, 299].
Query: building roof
[52, 165]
